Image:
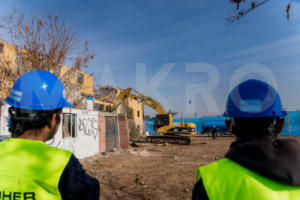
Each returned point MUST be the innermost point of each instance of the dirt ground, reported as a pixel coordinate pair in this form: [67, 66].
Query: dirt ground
[154, 172]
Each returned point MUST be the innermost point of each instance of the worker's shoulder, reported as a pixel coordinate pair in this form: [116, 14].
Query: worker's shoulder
[212, 165]
[217, 163]
[217, 166]
[36, 147]
[55, 155]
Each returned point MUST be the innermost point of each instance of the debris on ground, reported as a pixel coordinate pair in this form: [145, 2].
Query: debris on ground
[154, 172]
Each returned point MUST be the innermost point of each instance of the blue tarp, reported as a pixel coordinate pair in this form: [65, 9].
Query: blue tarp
[292, 123]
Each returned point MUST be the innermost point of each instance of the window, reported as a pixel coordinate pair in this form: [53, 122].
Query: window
[1, 47]
[108, 108]
[69, 125]
[101, 107]
[79, 78]
[138, 113]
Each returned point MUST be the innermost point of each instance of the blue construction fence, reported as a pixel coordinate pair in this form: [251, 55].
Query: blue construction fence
[291, 127]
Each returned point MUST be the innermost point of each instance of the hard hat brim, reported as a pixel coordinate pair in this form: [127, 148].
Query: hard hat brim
[67, 104]
[13, 103]
[254, 115]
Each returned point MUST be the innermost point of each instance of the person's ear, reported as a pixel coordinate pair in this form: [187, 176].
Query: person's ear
[280, 125]
[58, 117]
[53, 120]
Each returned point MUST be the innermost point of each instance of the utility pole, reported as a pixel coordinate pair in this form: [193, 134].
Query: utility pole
[181, 116]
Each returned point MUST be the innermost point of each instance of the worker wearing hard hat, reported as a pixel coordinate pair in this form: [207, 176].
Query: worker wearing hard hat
[30, 169]
[258, 165]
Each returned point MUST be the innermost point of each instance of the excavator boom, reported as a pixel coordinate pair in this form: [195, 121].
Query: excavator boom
[140, 97]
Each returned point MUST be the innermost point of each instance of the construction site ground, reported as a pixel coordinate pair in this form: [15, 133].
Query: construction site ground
[154, 172]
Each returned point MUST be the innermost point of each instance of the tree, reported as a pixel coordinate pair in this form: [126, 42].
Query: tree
[44, 43]
[5, 20]
[249, 6]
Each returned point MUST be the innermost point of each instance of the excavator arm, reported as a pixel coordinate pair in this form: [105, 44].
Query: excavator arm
[140, 97]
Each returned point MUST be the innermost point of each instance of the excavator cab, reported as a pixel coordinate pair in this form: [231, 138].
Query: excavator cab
[164, 126]
[161, 121]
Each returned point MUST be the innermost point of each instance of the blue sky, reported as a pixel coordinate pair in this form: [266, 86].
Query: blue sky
[127, 34]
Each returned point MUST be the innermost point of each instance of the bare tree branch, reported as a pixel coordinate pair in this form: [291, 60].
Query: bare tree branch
[235, 17]
[288, 8]
[46, 43]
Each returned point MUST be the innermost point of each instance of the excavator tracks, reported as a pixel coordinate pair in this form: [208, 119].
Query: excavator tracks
[172, 139]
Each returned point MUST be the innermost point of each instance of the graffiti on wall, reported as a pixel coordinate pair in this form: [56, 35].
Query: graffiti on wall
[88, 126]
[5, 126]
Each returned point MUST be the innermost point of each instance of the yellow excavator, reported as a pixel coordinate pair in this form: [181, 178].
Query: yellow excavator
[169, 131]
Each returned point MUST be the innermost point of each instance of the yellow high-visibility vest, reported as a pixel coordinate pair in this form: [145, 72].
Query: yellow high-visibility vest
[30, 170]
[228, 180]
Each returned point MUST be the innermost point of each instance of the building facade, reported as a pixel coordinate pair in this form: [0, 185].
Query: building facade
[80, 81]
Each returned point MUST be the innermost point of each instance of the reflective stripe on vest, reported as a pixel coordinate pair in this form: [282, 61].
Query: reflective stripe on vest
[30, 170]
[226, 179]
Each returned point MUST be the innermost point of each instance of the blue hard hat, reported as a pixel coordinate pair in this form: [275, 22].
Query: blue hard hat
[254, 98]
[38, 90]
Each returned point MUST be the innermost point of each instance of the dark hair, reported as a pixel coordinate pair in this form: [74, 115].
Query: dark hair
[266, 127]
[22, 120]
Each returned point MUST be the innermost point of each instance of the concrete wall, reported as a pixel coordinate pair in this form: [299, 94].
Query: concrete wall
[137, 119]
[4, 120]
[123, 131]
[7, 59]
[101, 128]
[85, 142]
[8, 53]
[88, 136]
[87, 86]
